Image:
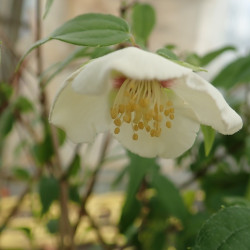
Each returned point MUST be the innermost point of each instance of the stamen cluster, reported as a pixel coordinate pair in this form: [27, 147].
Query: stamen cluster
[145, 105]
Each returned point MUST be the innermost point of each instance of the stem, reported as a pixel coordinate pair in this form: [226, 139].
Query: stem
[66, 242]
[90, 188]
[20, 200]
[99, 236]
[125, 7]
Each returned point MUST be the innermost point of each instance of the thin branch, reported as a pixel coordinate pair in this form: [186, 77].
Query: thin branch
[20, 200]
[203, 171]
[66, 174]
[65, 227]
[125, 7]
[97, 230]
[91, 183]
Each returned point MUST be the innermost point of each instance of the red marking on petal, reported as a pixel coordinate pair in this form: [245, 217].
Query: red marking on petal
[117, 82]
[167, 83]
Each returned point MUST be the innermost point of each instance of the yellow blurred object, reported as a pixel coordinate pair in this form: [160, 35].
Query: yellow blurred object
[104, 209]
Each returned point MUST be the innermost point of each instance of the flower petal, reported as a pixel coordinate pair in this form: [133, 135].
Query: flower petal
[81, 116]
[208, 104]
[134, 63]
[172, 142]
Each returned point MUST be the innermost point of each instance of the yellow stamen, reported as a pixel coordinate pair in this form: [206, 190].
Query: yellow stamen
[141, 104]
[168, 124]
[171, 116]
[117, 131]
[166, 112]
[135, 137]
[135, 127]
[141, 125]
[117, 122]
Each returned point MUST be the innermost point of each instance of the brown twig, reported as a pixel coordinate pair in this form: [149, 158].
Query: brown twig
[125, 7]
[91, 184]
[97, 230]
[65, 227]
[208, 164]
[20, 200]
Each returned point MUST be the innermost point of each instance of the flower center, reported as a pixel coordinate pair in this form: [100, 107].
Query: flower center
[145, 105]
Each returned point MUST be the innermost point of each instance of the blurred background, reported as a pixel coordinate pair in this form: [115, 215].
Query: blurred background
[198, 26]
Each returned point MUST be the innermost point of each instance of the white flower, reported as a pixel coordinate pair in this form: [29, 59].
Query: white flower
[151, 105]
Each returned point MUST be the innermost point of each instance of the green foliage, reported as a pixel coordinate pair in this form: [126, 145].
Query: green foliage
[47, 8]
[171, 201]
[23, 104]
[27, 232]
[88, 30]
[209, 136]
[167, 53]
[43, 151]
[74, 194]
[157, 213]
[21, 173]
[48, 192]
[222, 184]
[5, 92]
[209, 57]
[74, 166]
[53, 226]
[143, 21]
[149, 190]
[136, 169]
[7, 121]
[234, 73]
[227, 229]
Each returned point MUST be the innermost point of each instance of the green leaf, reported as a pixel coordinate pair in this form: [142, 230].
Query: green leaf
[193, 59]
[237, 201]
[74, 166]
[27, 231]
[44, 150]
[21, 173]
[187, 236]
[61, 136]
[91, 30]
[78, 53]
[222, 184]
[74, 194]
[167, 53]
[190, 66]
[53, 226]
[247, 148]
[143, 21]
[153, 235]
[102, 51]
[171, 56]
[118, 179]
[209, 136]
[47, 7]
[206, 59]
[6, 122]
[35, 45]
[6, 91]
[137, 169]
[227, 229]
[169, 195]
[23, 104]
[48, 192]
[235, 72]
